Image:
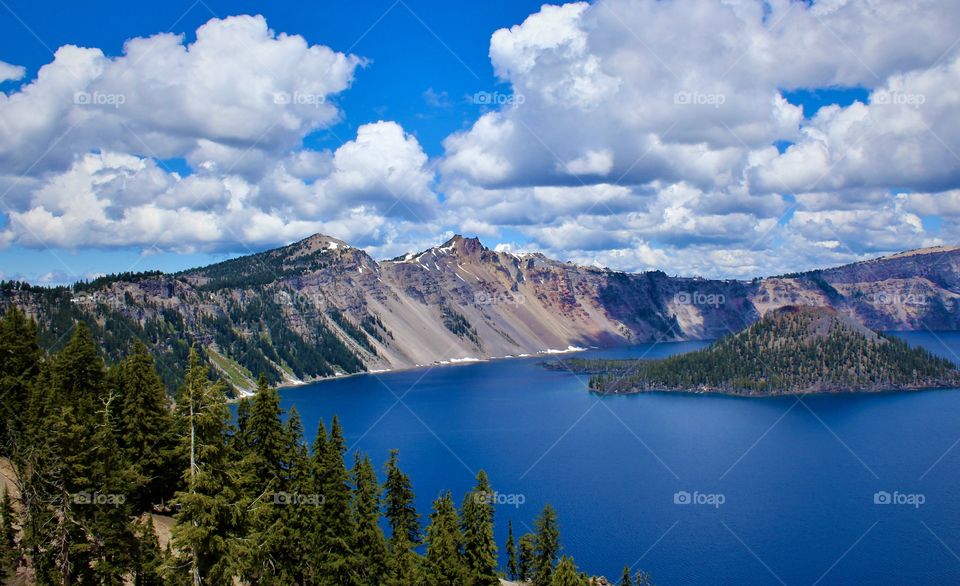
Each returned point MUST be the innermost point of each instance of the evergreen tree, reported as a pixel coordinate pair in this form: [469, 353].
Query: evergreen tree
[626, 580]
[146, 428]
[528, 555]
[295, 520]
[370, 545]
[8, 546]
[547, 546]
[74, 482]
[404, 524]
[150, 564]
[208, 516]
[338, 562]
[643, 578]
[445, 564]
[479, 547]
[566, 574]
[20, 356]
[513, 570]
[264, 449]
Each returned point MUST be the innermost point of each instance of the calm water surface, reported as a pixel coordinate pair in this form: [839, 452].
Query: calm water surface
[798, 479]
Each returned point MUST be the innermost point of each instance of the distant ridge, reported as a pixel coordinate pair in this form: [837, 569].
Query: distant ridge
[320, 307]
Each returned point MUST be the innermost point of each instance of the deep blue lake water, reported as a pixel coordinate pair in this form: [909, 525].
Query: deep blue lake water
[798, 479]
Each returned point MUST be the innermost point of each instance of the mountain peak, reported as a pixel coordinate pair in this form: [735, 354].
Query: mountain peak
[318, 241]
[460, 244]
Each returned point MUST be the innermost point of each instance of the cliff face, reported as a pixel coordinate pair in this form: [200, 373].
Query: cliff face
[321, 307]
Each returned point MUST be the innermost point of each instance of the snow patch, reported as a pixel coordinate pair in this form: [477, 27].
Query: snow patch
[567, 350]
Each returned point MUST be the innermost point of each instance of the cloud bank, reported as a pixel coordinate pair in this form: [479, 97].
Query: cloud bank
[641, 134]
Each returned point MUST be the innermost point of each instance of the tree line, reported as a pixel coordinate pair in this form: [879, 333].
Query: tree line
[96, 451]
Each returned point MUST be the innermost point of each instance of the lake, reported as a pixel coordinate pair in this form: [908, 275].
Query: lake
[781, 491]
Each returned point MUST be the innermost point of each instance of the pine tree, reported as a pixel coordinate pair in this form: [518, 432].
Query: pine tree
[73, 479]
[479, 547]
[566, 574]
[295, 522]
[8, 546]
[445, 564]
[404, 523]
[108, 525]
[626, 580]
[338, 562]
[547, 546]
[150, 565]
[643, 578]
[370, 544]
[146, 428]
[263, 448]
[513, 571]
[528, 555]
[208, 516]
[20, 356]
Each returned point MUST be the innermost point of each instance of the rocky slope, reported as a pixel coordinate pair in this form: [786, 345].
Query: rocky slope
[320, 307]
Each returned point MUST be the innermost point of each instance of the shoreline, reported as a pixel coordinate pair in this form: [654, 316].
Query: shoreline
[440, 363]
[785, 394]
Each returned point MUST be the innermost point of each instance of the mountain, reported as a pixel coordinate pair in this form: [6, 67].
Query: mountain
[320, 307]
[789, 350]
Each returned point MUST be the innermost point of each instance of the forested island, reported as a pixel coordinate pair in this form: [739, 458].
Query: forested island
[789, 351]
[96, 457]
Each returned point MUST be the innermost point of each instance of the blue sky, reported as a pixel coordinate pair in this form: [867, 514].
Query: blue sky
[567, 169]
[426, 59]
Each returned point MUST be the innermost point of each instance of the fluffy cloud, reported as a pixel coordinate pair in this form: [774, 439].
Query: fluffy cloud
[239, 91]
[87, 139]
[639, 134]
[677, 108]
[10, 72]
[109, 199]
